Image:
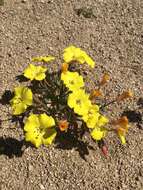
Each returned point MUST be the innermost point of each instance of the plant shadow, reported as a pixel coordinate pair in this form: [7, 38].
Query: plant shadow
[11, 147]
[67, 141]
[6, 97]
[134, 117]
[21, 78]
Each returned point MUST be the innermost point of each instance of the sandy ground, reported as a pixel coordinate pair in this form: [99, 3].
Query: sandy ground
[111, 31]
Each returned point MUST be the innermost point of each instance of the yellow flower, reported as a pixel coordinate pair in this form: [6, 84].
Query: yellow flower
[43, 59]
[99, 131]
[22, 99]
[35, 72]
[72, 80]
[91, 118]
[39, 129]
[73, 53]
[79, 101]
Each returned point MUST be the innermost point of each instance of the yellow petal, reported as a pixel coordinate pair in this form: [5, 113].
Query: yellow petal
[73, 53]
[98, 133]
[122, 138]
[27, 96]
[30, 72]
[19, 108]
[68, 55]
[46, 121]
[34, 137]
[18, 91]
[31, 123]
[43, 58]
[35, 72]
[79, 101]
[72, 80]
[89, 61]
[92, 120]
[102, 121]
[40, 76]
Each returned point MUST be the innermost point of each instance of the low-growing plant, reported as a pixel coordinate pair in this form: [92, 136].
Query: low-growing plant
[56, 103]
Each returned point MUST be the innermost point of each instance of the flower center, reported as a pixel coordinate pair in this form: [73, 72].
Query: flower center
[78, 102]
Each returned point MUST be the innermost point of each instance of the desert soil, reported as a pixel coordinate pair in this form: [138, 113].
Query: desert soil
[111, 31]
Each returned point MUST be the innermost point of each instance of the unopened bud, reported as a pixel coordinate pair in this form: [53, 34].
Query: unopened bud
[65, 67]
[104, 150]
[63, 125]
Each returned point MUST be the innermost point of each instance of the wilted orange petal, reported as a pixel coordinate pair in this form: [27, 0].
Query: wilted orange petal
[105, 79]
[96, 93]
[123, 121]
[121, 131]
[125, 95]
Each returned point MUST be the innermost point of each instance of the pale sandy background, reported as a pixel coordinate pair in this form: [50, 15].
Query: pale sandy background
[111, 31]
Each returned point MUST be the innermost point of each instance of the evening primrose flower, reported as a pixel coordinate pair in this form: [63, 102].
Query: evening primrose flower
[35, 72]
[91, 118]
[40, 129]
[73, 53]
[22, 99]
[72, 80]
[43, 59]
[99, 130]
[79, 101]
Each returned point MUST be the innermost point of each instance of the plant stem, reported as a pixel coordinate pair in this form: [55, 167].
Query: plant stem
[107, 104]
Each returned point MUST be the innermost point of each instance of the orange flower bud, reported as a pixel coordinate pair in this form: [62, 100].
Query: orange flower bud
[63, 125]
[104, 79]
[64, 67]
[125, 95]
[95, 93]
